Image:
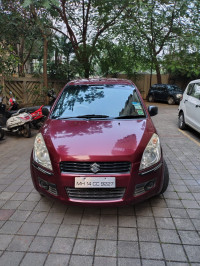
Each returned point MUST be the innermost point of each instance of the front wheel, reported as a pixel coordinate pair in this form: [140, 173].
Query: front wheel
[181, 121]
[27, 131]
[166, 179]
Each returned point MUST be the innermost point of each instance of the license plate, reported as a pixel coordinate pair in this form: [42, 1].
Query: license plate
[95, 182]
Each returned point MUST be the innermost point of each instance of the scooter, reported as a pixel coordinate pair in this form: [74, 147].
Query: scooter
[18, 122]
[37, 117]
[36, 114]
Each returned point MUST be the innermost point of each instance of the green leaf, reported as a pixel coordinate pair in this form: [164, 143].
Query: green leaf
[27, 3]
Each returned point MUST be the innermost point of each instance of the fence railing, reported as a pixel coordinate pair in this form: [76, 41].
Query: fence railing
[28, 91]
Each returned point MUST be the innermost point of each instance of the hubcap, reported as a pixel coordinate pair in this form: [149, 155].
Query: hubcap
[181, 120]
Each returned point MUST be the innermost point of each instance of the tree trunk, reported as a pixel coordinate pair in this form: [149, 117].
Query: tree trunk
[157, 67]
[21, 58]
[45, 77]
[86, 66]
[87, 72]
[21, 70]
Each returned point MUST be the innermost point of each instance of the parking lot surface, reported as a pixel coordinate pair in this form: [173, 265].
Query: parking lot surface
[164, 230]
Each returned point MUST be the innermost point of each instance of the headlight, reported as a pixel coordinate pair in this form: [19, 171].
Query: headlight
[40, 152]
[179, 95]
[152, 153]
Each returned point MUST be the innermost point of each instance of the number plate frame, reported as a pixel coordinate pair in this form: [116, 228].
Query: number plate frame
[95, 182]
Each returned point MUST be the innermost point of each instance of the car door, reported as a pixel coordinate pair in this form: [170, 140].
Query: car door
[192, 106]
[159, 92]
[164, 93]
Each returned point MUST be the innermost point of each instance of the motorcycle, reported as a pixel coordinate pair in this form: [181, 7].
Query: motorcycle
[17, 121]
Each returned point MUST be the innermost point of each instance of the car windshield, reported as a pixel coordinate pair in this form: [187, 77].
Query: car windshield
[98, 102]
[175, 88]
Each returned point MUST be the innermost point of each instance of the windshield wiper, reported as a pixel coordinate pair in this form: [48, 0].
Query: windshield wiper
[81, 116]
[92, 116]
[55, 117]
[129, 116]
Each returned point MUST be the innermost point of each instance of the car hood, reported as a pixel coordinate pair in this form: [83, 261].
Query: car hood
[96, 140]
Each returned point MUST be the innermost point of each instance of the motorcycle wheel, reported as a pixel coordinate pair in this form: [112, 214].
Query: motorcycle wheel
[1, 133]
[27, 131]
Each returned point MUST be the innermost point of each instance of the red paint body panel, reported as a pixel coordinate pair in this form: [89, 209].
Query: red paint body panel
[97, 141]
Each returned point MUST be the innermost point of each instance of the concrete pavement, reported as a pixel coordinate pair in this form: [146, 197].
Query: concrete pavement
[165, 230]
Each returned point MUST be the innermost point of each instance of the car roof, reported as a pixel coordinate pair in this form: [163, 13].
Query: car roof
[194, 81]
[101, 81]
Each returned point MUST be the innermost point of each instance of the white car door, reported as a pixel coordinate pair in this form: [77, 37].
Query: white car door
[192, 107]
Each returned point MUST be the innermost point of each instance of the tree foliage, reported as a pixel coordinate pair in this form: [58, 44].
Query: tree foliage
[155, 24]
[90, 37]
[183, 58]
[85, 23]
[18, 31]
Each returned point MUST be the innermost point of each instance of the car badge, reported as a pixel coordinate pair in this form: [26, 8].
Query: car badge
[94, 168]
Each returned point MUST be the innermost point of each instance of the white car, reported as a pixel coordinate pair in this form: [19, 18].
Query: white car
[189, 107]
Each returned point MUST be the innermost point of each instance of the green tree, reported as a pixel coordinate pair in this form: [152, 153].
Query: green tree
[183, 59]
[86, 22]
[119, 57]
[156, 23]
[17, 31]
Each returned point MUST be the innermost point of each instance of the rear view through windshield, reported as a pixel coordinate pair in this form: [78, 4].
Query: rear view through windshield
[103, 101]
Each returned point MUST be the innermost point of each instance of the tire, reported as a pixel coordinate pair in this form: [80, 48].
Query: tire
[27, 131]
[181, 121]
[150, 98]
[2, 133]
[170, 100]
[166, 179]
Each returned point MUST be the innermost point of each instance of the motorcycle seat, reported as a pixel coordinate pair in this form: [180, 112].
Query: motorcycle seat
[31, 109]
[10, 113]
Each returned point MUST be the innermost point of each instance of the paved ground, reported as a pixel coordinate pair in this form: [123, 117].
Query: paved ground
[162, 231]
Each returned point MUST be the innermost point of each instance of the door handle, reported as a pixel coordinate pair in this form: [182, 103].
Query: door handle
[197, 105]
[185, 101]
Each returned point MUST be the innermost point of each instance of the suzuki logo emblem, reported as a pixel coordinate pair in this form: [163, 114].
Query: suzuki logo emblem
[94, 168]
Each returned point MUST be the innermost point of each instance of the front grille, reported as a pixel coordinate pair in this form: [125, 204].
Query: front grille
[95, 193]
[103, 167]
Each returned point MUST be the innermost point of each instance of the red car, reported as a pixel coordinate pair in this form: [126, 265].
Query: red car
[99, 146]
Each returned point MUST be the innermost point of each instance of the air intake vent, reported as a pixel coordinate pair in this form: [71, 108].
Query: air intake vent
[95, 167]
[144, 187]
[97, 194]
[49, 187]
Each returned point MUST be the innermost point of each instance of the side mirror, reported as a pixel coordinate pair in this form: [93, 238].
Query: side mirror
[153, 110]
[46, 110]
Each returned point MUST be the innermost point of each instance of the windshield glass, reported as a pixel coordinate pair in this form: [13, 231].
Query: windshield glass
[175, 88]
[98, 101]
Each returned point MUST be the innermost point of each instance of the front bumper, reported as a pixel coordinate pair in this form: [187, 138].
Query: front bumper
[134, 186]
